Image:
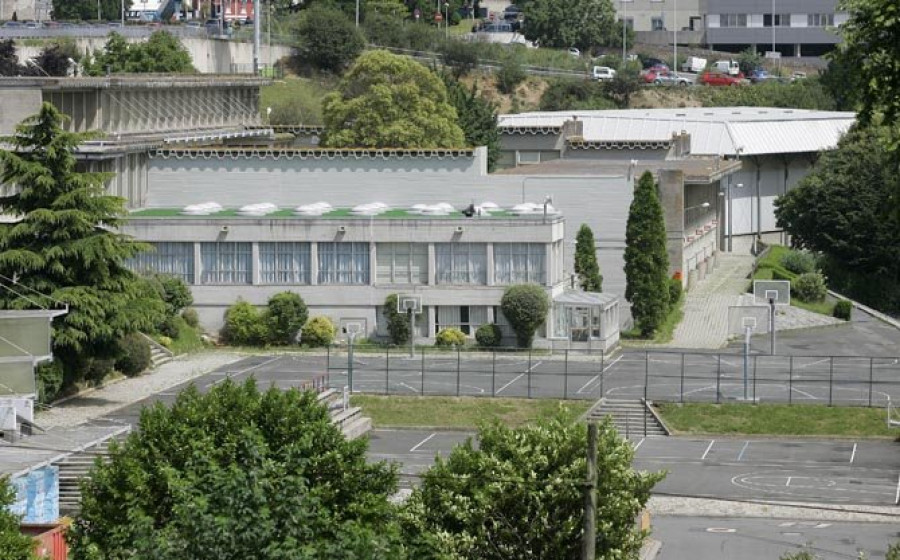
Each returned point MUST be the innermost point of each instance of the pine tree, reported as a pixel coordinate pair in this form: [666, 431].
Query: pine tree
[586, 266]
[646, 258]
[477, 117]
[64, 245]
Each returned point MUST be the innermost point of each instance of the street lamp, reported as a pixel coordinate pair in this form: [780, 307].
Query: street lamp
[624, 27]
[446, 19]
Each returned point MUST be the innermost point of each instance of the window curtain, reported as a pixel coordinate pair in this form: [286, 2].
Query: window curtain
[519, 263]
[284, 263]
[343, 263]
[176, 259]
[226, 263]
[461, 263]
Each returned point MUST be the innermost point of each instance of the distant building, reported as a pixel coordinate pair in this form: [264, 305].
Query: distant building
[659, 15]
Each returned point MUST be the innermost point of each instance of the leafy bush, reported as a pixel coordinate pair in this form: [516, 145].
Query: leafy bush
[675, 289]
[799, 262]
[450, 336]
[190, 317]
[244, 325]
[285, 316]
[169, 327]
[319, 331]
[810, 287]
[510, 74]
[525, 306]
[566, 94]
[488, 336]
[461, 57]
[49, 381]
[134, 355]
[328, 40]
[843, 309]
[397, 323]
[175, 293]
[166, 341]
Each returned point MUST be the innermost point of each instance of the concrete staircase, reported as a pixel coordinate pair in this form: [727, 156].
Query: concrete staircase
[75, 467]
[159, 354]
[348, 418]
[631, 418]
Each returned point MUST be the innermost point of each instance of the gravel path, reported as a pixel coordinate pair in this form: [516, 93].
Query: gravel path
[91, 405]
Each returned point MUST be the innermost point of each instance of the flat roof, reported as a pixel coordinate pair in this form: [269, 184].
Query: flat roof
[135, 81]
[335, 214]
[696, 170]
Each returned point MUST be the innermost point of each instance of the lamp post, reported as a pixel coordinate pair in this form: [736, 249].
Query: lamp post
[624, 29]
[446, 20]
[675, 37]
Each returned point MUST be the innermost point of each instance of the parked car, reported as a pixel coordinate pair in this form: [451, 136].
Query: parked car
[603, 73]
[33, 25]
[648, 63]
[730, 67]
[13, 25]
[193, 24]
[715, 78]
[667, 78]
[760, 75]
[574, 52]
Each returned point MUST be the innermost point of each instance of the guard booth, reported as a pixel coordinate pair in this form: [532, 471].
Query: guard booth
[585, 320]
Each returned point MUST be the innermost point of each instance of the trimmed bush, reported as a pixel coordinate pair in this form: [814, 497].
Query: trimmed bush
[810, 287]
[244, 325]
[397, 323]
[525, 306]
[319, 331]
[176, 293]
[675, 290]
[843, 309]
[285, 316]
[190, 317]
[165, 341]
[488, 336]
[450, 336]
[49, 381]
[799, 262]
[134, 356]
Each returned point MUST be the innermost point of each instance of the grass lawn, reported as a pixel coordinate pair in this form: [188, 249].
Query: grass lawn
[771, 264]
[295, 100]
[458, 412]
[666, 330]
[776, 419]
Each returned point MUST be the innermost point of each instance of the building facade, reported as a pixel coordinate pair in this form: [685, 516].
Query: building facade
[659, 15]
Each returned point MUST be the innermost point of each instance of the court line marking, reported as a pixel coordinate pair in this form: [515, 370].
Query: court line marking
[596, 377]
[741, 455]
[516, 378]
[705, 453]
[421, 443]
[233, 374]
[788, 483]
[805, 394]
[413, 389]
[639, 443]
[853, 455]
[897, 495]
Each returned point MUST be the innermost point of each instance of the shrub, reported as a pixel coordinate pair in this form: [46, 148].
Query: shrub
[810, 287]
[190, 317]
[397, 323]
[285, 316]
[49, 381]
[510, 74]
[799, 262]
[165, 341]
[675, 289]
[461, 57]
[450, 336]
[843, 309]
[134, 355]
[328, 40]
[169, 327]
[525, 306]
[319, 331]
[175, 293]
[488, 336]
[98, 368]
[244, 325]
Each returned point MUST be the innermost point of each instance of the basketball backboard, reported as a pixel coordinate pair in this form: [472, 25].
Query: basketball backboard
[778, 290]
[353, 327]
[409, 302]
[742, 317]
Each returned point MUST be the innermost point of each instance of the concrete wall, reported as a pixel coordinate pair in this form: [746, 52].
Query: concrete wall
[764, 178]
[15, 105]
[209, 55]
[643, 11]
[24, 9]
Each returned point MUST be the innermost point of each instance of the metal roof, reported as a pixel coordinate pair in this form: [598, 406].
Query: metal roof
[572, 297]
[713, 130]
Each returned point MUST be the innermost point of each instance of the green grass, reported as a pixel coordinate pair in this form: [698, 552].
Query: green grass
[776, 419]
[666, 330]
[459, 412]
[295, 100]
[188, 339]
[770, 264]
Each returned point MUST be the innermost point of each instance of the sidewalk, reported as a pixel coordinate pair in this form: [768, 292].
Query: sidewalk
[84, 408]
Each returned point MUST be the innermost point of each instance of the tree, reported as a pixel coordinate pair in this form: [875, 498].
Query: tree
[327, 39]
[86, 10]
[477, 117]
[646, 259]
[461, 57]
[584, 24]
[841, 80]
[586, 266]
[233, 474]
[390, 101]
[14, 544]
[566, 94]
[749, 60]
[624, 84]
[519, 494]
[161, 53]
[397, 323]
[9, 61]
[64, 244]
[525, 306]
[55, 58]
[286, 315]
[510, 74]
[844, 209]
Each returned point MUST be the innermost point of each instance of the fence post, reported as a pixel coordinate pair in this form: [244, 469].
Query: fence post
[790, 380]
[830, 379]
[681, 392]
[493, 373]
[529, 373]
[328, 358]
[566, 375]
[718, 378]
[755, 359]
[646, 372]
[387, 371]
[458, 357]
[422, 392]
[870, 381]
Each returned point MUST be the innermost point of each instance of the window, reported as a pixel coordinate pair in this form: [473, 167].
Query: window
[226, 263]
[629, 22]
[780, 20]
[820, 20]
[465, 318]
[732, 20]
[460, 263]
[343, 263]
[657, 24]
[284, 263]
[176, 259]
[518, 263]
[401, 263]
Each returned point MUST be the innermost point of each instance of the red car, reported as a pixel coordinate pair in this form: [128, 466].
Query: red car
[720, 79]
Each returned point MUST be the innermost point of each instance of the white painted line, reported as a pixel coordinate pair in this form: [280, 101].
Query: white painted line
[516, 378]
[596, 377]
[536, 364]
[583, 387]
[611, 364]
[805, 394]
[720, 530]
[413, 389]
[746, 445]
[639, 444]
[853, 455]
[788, 483]
[897, 495]
[421, 443]
[233, 374]
[705, 453]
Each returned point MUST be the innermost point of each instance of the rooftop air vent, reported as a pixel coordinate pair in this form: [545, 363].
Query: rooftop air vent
[315, 209]
[527, 208]
[203, 209]
[260, 209]
[370, 209]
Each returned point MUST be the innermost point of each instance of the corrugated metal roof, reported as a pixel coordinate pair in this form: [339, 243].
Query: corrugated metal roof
[714, 131]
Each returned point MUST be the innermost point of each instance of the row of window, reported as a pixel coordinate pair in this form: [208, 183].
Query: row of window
[289, 263]
[776, 20]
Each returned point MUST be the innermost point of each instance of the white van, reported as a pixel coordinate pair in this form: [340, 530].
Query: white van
[694, 64]
[603, 73]
[730, 67]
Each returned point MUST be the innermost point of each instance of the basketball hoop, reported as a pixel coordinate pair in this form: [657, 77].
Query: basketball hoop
[893, 421]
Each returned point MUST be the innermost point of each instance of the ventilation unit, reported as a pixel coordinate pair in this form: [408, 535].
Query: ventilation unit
[370, 209]
[315, 209]
[203, 209]
[260, 209]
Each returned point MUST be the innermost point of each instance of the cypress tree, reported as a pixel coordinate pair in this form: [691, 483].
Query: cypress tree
[64, 244]
[586, 266]
[646, 258]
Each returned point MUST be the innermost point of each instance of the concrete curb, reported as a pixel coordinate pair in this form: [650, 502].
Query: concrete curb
[866, 309]
[650, 550]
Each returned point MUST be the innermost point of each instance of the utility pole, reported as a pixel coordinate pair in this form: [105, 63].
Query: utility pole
[772, 325]
[257, 30]
[412, 333]
[589, 535]
[624, 31]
